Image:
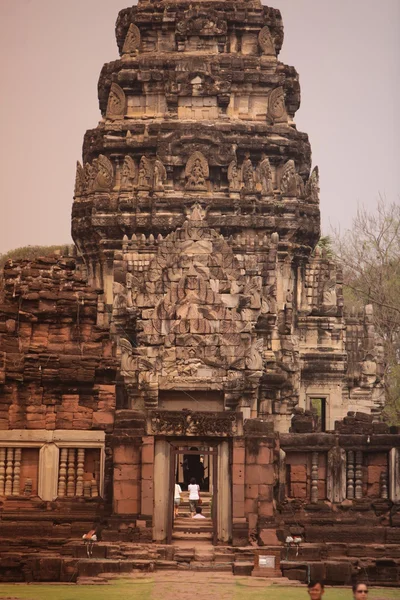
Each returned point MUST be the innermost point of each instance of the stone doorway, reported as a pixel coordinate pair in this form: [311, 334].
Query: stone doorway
[210, 460]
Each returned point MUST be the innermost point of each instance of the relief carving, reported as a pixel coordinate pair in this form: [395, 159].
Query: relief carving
[276, 106]
[234, 177]
[116, 103]
[132, 40]
[289, 179]
[312, 187]
[128, 173]
[202, 24]
[266, 42]
[264, 174]
[248, 174]
[80, 180]
[192, 423]
[197, 172]
[104, 179]
[145, 174]
[160, 176]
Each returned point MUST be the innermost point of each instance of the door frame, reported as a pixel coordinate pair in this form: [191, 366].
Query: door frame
[182, 447]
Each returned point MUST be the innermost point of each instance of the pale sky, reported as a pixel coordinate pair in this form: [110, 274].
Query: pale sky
[346, 51]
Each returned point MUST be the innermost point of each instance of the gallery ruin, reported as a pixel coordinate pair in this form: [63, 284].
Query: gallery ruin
[195, 329]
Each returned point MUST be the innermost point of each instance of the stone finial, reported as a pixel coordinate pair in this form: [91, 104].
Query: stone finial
[104, 179]
[289, 179]
[312, 187]
[266, 42]
[79, 180]
[132, 40]
[276, 106]
[116, 103]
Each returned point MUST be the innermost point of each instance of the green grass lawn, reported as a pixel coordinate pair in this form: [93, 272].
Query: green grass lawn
[277, 593]
[141, 589]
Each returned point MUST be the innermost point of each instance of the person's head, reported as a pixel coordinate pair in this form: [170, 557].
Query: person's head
[360, 590]
[198, 510]
[193, 481]
[316, 590]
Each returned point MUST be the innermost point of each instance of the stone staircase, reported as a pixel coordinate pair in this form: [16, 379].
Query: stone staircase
[193, 530]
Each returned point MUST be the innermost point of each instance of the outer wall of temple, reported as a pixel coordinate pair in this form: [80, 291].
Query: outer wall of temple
[195, 313]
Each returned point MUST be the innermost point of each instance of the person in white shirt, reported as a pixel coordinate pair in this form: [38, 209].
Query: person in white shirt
[198, 514]
[194, 495]
[177, 499]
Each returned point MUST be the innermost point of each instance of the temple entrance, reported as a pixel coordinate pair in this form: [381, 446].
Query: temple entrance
[178, 462]
[194, 464]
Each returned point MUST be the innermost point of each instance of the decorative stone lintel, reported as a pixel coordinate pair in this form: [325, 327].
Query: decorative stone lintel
[190, 423]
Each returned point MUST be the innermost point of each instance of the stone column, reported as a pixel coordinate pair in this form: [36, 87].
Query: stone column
[336, 476]
[2, 470]
[48, 484]
[9, 472]
[147, 471]
[358, 475]
[394, 475]
[350, 475]
[314, 477]
[62, 477]
[17, 471]
[239, 522]
[282, 476]
[163, 496]
[224, 494]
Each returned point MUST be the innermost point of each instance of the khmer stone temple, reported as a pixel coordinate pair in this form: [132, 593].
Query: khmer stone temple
[195, 329]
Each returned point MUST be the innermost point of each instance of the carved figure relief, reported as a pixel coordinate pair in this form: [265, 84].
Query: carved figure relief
[265, 176]
[234, 177]
[105, 175]
[145, 174]
[132, 40]
[80, 181]
[90, 176]
[116, 103]
[248, 175]
[203, 24]
[312, 187]
[276, 112]
[128, 173]
[160, 176]
[197, 172]
[266, 42]
[289, 179]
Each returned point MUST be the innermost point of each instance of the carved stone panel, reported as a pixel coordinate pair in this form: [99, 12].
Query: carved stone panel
[132, 40]
[266, 42]
[276, 106]
[116, 103]
[188, 423]
[197, 172]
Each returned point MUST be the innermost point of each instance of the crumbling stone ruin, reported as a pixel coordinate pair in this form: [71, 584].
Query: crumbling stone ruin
[195, 314]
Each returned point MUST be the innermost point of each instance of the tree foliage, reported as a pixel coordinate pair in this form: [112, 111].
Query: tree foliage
[370, 254]
[30, 253]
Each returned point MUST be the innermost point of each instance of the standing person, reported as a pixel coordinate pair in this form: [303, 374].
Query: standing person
[316, 590]
[194, 496]
[177, 499]
[360, 590]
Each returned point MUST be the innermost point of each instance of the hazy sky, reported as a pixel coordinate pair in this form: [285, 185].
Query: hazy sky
[346, 51]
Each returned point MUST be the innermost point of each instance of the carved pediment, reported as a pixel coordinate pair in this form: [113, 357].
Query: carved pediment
[132, 40]
[201, 23]
[116, 103]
